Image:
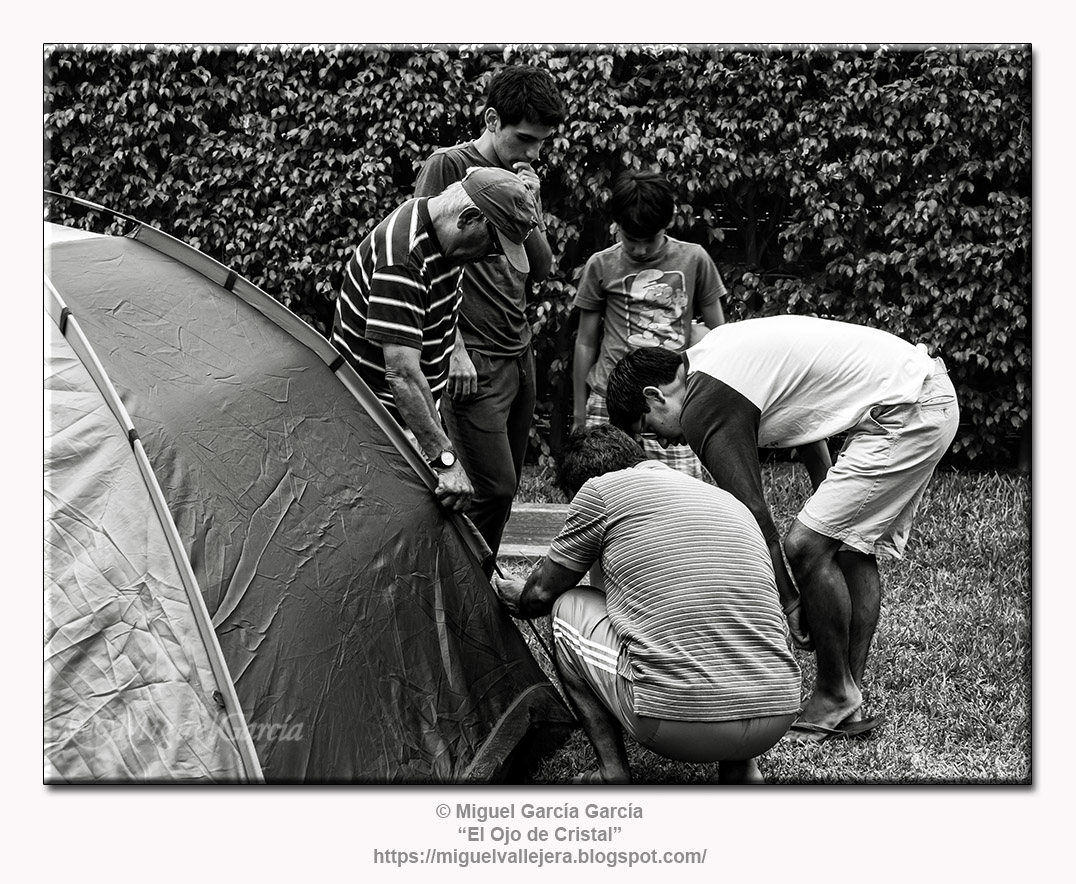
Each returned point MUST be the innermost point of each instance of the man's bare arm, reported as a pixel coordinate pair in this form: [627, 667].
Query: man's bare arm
[817, 460]
[414, 400]
[539, 252]
[534, 598]
[584, 357]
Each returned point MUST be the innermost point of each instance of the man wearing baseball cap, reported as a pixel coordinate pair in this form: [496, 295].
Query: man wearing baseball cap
[508, 206]
[398, 306]
[491, 389]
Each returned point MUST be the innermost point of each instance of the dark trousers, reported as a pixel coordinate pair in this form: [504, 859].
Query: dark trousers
[490, 433]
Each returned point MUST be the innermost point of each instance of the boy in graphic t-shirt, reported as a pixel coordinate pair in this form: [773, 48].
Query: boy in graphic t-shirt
[643, 291]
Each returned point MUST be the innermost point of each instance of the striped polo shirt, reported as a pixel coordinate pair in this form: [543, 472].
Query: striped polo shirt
[398, 289]
[691, 594]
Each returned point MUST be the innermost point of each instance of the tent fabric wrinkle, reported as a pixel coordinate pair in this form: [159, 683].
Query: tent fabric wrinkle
[127, 682]
[351, 618]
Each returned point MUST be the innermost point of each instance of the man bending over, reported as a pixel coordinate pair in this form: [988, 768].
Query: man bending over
[794, 381]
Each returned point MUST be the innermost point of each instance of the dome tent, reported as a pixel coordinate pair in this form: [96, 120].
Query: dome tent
[247, 577]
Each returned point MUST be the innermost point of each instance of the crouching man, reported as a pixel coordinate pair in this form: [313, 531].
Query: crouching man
[686, 648]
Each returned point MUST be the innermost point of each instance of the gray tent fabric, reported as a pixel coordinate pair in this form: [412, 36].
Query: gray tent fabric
[129, 685]
[360, 633]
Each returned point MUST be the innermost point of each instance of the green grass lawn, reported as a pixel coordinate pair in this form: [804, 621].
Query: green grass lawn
[950, 665]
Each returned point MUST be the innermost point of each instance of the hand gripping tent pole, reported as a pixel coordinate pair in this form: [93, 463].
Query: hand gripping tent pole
[343, 597]
[306, 335]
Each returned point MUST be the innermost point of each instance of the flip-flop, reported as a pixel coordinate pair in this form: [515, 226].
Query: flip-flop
[807, 732]
[588, 778]
[861, 727]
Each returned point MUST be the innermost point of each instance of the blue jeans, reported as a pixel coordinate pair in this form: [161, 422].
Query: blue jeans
[490, 432]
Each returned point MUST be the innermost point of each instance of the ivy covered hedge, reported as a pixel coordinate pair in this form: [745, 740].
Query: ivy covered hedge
[878, 185]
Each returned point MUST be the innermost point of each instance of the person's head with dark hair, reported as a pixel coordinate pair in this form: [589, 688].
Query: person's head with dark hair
[522, 92]
[522, 109]
[642, 203]
[645, 392]
[592, 452]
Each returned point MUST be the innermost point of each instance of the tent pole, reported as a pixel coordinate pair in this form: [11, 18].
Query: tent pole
[309, 337]
[236, 720]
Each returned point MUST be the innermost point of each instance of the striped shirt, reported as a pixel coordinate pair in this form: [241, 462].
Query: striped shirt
[398, 289]
[691, 593]
[493, 316]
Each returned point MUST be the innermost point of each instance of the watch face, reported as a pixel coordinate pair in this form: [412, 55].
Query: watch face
[446, 459]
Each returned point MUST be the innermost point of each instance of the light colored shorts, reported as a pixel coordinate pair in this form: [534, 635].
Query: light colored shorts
[869, 497]
[588, 647]
[679, 457]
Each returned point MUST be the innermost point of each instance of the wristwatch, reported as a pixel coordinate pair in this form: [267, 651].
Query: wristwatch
[445, 460]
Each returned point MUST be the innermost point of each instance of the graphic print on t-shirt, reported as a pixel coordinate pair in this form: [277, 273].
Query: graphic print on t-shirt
[656, 302]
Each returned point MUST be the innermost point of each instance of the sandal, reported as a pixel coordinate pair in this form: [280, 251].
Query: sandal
[588, 778]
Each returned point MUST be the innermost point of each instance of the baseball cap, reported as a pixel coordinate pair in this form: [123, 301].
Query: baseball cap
[506, 203]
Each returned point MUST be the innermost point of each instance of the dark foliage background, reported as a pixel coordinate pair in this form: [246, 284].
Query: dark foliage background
[887, 186]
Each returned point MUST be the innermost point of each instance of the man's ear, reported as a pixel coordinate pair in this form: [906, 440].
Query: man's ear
[467, 217]
[652, 392]
[491, 119]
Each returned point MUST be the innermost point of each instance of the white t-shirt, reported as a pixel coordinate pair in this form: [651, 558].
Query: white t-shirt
[810, 378]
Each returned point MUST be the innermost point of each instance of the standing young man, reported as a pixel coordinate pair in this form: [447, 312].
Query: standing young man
[794, 381]
[491, 387]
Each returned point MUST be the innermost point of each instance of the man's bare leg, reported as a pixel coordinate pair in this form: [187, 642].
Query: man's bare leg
[600, 726]
[827, 603]
[865, 589]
